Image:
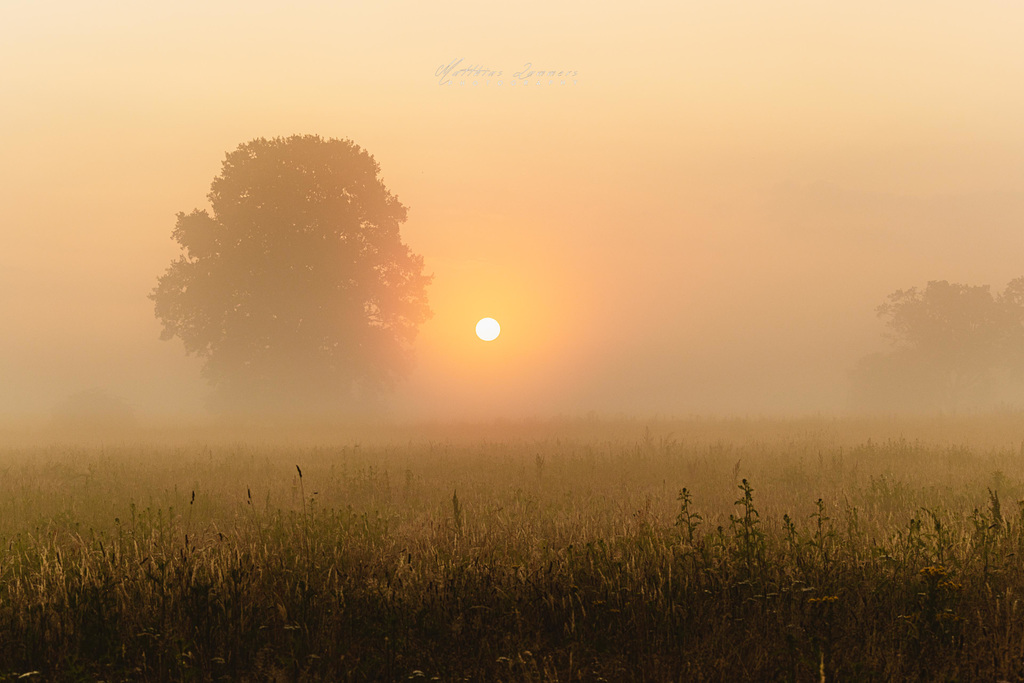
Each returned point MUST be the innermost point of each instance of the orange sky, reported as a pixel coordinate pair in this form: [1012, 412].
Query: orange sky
[703, 222]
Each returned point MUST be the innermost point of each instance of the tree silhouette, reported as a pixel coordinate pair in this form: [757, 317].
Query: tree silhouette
[296, 290]
[953, 344]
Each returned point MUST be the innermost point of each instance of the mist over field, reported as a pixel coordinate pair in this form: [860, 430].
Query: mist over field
[702, 220]
[555, 341]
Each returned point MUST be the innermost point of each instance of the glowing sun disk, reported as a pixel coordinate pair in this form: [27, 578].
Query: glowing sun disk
[488, 329]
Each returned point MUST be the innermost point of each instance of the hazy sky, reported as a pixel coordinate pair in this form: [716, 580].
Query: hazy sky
[703, 222]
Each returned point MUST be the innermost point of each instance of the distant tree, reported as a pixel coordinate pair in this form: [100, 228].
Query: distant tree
[296, 289]
[953, 344]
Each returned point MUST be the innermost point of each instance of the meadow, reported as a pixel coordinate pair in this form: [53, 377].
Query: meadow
[699, 550]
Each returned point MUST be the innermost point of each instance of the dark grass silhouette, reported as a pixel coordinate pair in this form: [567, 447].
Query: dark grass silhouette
[523, 559]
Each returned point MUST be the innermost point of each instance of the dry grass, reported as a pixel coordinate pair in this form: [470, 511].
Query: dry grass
[857, 550]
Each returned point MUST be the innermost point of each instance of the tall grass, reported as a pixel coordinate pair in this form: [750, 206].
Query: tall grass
[752, 550]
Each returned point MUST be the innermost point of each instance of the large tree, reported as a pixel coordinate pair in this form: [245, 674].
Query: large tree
[953, 345]
[296, 289]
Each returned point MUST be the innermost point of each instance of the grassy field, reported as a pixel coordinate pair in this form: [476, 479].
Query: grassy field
[623, 550]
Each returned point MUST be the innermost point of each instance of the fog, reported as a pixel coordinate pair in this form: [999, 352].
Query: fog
[702, 221]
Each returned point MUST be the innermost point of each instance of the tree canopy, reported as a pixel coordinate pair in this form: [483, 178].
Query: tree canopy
[296, 288]
[953, 344]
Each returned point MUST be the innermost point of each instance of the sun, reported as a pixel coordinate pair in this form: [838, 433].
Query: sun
[488, 329]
